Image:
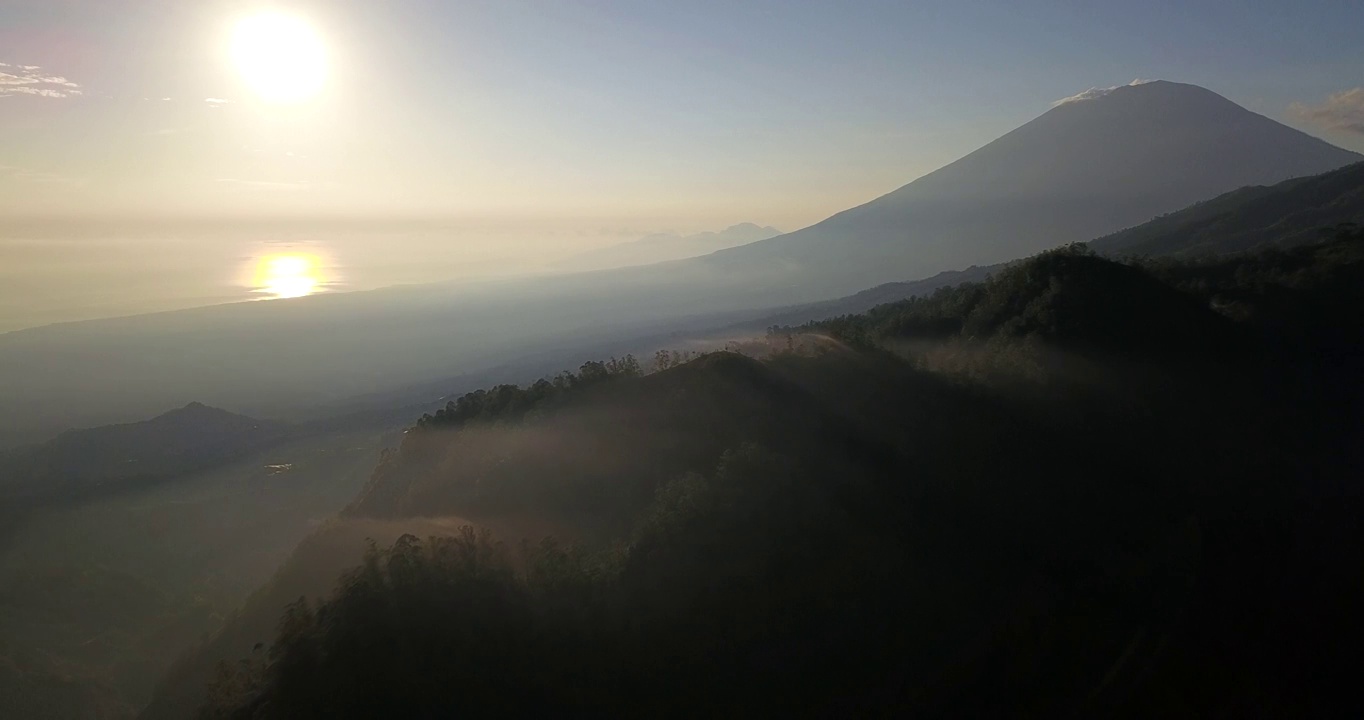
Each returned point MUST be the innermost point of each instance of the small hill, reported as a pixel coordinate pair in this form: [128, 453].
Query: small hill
[662, 247]
[1074, 299]
[113, 457]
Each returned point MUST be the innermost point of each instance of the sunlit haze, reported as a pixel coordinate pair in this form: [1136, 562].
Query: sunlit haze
[153, 148]
[280, 57]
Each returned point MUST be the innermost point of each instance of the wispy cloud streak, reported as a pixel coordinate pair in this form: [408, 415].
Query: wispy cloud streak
[1343, 112]
[1095, 92]
[30, 80]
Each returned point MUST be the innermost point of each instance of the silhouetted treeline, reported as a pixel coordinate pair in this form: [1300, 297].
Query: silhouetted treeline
[1158, 518]
[512, 402]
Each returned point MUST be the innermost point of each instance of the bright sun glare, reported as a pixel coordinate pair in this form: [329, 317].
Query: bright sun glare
[288, 276]
[280, 56]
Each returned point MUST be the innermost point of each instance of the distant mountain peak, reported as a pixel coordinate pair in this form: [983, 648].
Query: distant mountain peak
[665, 246]
[194, 408]
[751, 227]
[94, 459]
[199, 415]
[1099, 161]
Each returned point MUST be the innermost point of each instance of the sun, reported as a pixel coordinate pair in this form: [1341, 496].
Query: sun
[280, 56]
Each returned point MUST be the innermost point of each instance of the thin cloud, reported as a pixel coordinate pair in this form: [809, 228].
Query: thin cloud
[1342, 112]
[1089, 94]
[1096, 92]
[19, 174]
[39, 92]
[31, 80]
[264, 185]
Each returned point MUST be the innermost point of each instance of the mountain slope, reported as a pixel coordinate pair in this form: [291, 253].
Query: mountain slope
[1082, 170]
[1294, 212]
[662, 247]
[1290, 213]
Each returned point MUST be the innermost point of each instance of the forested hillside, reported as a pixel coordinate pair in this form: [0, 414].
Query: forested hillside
[1078, 488]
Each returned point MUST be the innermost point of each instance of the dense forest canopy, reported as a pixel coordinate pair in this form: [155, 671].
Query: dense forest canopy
[1081, 487]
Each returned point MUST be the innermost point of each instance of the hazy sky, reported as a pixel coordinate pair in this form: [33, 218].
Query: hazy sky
[686, 114]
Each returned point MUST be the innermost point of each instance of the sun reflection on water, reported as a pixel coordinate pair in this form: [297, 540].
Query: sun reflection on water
[288, 275]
